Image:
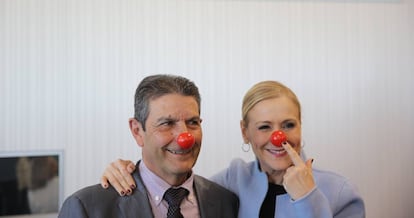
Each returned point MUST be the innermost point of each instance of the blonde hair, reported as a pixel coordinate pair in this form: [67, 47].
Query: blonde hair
[263, 91]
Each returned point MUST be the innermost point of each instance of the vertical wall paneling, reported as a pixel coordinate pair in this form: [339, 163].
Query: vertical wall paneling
[69, 69]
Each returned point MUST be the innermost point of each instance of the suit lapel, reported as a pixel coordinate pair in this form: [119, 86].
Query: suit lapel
[205, 198]
[137, 204]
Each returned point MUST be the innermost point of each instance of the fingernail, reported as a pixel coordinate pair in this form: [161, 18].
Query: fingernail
[312, 160]
[129, 191]
[122, 193]
[105, 185]
[285, 143]
[132, 186]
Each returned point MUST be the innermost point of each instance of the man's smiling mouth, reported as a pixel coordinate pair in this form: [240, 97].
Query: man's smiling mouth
[178, 151]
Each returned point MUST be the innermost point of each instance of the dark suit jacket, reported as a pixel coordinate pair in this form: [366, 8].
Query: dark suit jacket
[214, 201]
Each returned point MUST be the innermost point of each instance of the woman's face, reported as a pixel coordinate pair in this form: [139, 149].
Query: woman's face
[266, 117]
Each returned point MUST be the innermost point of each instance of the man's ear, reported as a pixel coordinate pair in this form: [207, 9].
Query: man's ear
[243, 129]
[137, 131]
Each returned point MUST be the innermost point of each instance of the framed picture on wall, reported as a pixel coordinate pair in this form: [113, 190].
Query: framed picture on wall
[31, 183]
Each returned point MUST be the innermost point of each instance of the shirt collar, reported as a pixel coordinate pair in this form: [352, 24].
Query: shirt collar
[156, 186]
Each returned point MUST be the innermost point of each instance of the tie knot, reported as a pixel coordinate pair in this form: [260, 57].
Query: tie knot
[174, 196]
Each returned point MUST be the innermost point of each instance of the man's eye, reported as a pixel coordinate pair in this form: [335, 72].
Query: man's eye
[194, 122]
[167, 123]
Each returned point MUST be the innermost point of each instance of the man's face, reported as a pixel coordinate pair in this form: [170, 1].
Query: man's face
[169, 115]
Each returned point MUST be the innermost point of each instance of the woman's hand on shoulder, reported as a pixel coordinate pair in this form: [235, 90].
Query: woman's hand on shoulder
[118, 174]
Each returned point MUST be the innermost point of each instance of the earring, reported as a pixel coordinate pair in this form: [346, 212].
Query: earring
[245, 147]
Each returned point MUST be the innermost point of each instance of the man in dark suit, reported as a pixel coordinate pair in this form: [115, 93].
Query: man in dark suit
[167, 126]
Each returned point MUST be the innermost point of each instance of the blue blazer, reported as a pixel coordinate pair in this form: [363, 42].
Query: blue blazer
[334, 196]
[94, 201]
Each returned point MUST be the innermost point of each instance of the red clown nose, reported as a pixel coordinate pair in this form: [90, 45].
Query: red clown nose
[277, 138]
[185, 140]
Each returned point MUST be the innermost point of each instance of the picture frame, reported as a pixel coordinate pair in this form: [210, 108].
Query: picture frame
[31, 183]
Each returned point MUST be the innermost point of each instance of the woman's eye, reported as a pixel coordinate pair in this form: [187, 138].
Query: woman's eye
[266, 127]
[288, 125]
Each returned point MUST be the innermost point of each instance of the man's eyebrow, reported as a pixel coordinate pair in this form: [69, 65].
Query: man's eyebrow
[169, 118]
[194, 118]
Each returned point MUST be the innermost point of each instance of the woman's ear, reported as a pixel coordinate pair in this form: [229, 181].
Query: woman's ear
[137, 131]
[243, 129]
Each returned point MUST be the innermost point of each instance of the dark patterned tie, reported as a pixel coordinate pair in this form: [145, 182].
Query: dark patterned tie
[174, 196]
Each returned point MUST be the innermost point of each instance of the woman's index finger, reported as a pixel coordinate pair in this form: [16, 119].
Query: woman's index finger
[296, 159]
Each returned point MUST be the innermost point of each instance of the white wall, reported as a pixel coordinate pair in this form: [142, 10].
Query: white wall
[69, 69]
